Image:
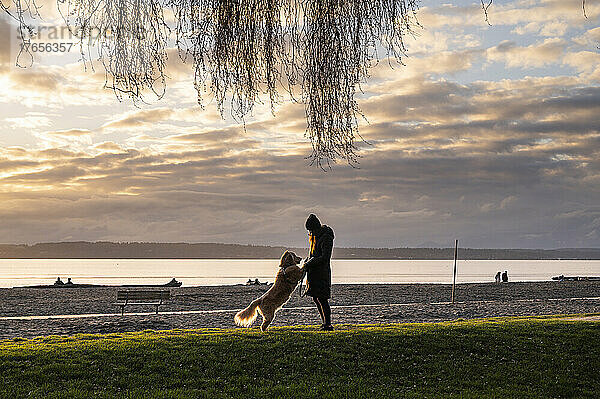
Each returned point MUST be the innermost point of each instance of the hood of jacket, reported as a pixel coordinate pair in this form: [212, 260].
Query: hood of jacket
[325, 230]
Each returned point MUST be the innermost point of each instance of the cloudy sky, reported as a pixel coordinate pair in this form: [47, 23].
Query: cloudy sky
[489, 134]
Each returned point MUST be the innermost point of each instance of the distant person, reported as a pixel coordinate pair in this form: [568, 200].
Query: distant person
[505, 277]
[249, 282]
[497, 277]
[69, 282]
[59, 281]
[318, 268]
[256, 282]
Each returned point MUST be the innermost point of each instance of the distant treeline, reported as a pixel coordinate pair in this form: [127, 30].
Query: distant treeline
[133, 250]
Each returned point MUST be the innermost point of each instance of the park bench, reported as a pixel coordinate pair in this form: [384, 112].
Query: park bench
[141, 297]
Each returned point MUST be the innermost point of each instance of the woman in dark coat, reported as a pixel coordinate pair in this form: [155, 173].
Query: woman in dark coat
[318, 268]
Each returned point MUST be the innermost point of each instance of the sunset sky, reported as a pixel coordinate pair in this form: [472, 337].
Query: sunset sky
[489, 134]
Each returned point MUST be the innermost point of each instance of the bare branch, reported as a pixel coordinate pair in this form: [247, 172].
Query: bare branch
[485, 7]
[318, 51]
[22, 10]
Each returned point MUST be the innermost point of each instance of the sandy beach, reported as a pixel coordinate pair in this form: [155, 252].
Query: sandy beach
[35, 312]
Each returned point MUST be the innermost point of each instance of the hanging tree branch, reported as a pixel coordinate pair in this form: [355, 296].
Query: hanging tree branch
[19, 10]
[484, 7]
[319, 51]
[131, 37]
[321, 48]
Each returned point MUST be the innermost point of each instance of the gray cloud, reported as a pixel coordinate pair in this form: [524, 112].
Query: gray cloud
[141, 117]
[70, 133]
[535, 55]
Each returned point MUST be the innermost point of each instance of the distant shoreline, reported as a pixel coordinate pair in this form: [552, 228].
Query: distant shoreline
[272, 258]
[140, 250]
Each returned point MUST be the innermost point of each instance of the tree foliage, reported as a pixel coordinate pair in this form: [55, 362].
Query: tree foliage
[317, 51]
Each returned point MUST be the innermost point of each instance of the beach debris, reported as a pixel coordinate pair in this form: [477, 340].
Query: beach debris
[576, 278]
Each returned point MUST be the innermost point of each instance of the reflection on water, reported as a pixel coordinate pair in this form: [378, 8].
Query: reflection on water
[20, 272]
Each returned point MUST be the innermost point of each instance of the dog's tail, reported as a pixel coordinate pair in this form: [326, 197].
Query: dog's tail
[246, 317]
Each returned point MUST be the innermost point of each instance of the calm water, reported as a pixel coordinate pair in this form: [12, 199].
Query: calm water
[20, 272]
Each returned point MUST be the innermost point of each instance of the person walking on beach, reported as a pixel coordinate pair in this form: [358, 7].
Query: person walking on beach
[505, 277]
[318, 268]
[497, 277]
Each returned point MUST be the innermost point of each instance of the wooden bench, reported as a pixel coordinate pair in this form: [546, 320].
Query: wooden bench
[141, 297]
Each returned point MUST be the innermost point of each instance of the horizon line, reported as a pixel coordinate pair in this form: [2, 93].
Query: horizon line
[284, 246]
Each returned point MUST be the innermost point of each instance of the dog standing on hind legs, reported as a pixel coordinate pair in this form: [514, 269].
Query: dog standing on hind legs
[287, 278]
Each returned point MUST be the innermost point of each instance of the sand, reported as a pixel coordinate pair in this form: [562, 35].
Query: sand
[215, 306]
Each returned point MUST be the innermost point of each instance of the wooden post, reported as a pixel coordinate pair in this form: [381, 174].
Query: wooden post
[454, 274]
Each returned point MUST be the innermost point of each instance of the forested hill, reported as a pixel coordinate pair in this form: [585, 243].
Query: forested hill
[110, 250]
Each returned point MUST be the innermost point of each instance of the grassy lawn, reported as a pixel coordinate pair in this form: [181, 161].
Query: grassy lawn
[500, 358]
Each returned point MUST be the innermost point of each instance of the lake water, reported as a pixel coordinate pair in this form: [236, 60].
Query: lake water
[20, 272]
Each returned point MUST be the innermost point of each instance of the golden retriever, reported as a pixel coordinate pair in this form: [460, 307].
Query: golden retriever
[285, 282]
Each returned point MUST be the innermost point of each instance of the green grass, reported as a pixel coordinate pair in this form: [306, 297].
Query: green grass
[496, 358]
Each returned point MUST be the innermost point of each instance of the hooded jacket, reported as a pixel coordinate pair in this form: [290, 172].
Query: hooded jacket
[318, 266]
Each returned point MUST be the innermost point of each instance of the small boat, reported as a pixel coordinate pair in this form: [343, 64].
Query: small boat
[575, 278]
